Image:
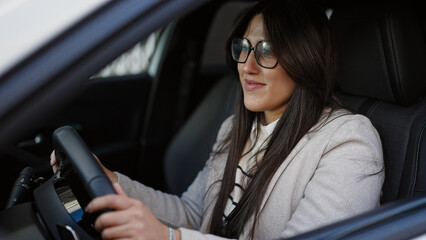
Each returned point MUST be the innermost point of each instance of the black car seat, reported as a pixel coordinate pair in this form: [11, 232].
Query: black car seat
[189, 149]
[382, 74]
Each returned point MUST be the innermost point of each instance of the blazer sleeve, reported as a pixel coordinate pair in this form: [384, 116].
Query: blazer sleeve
[186, 211]
[182, 213]
[347, 180]
[169, 209]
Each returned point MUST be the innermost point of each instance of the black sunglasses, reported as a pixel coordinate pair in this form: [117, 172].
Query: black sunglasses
[241, 49]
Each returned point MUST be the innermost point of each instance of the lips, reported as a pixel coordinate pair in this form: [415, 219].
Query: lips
[251, 85]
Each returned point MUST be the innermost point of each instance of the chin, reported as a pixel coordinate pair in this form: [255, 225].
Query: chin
[254, 108]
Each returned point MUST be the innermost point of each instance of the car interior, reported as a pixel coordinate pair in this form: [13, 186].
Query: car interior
[158, 126]
[382, 52]
[381, 74]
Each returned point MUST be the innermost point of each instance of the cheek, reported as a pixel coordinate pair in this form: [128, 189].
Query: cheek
[240, 69]
[280, 84]
[282, 89]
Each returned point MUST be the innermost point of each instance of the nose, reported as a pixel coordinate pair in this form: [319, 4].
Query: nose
[251, 66]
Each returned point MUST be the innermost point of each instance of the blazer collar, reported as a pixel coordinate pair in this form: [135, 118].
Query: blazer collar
[325, 117]
[282, 168]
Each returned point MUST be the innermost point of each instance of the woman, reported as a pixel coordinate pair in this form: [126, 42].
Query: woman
[289, 160]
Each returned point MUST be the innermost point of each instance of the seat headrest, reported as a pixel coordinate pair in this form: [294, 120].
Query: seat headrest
[381, 53]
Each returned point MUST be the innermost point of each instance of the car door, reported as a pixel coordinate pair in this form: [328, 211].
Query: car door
[107, 107]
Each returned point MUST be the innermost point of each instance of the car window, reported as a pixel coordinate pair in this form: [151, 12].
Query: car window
[16, 16]
[133, 62]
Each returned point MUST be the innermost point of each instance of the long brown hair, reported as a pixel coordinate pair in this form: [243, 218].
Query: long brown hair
[301, 40]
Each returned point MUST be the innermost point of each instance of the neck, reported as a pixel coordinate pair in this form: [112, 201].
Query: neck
[269, 117]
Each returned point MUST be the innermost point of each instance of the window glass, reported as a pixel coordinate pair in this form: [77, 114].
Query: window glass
[133, 62]
[19, 41]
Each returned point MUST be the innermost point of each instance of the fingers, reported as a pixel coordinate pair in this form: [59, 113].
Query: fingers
[118, 189]
[116, 232]
[130, 220]
[111, 175]
[118, 223]
[129, 229]
[52, 158]
[114, 218]
[117, 202]
[134, 221]
[53, 162]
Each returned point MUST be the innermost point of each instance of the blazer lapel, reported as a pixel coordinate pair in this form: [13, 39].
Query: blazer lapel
[323, 120]
[282, 167]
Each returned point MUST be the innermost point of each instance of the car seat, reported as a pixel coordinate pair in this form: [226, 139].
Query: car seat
[189, 149]
[382, 75]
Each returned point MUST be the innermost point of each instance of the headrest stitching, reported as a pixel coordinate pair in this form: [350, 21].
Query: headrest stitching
[397, 88]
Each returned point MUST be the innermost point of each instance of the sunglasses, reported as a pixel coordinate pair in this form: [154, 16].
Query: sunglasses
[241, 49]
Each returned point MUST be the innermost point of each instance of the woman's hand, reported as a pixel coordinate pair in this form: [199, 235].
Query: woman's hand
[53, 162]
[130, 220]
[111, 175]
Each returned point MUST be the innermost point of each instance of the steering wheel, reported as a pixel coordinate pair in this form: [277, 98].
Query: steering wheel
[78, 180]
[71, 149]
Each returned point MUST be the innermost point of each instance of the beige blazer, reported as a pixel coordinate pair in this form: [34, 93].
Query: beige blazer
[334, 172]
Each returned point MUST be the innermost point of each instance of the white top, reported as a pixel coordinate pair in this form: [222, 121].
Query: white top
[253, 151]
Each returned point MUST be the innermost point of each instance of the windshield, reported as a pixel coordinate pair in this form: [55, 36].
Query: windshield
[26, 25]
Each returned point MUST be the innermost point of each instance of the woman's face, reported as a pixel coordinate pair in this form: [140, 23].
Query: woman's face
[265, 90]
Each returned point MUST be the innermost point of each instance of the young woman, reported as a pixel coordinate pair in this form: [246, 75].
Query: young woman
[289, 160]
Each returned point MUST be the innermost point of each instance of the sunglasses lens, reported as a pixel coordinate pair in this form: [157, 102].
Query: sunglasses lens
[240, 48]
[263, 51]
[264, 55]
